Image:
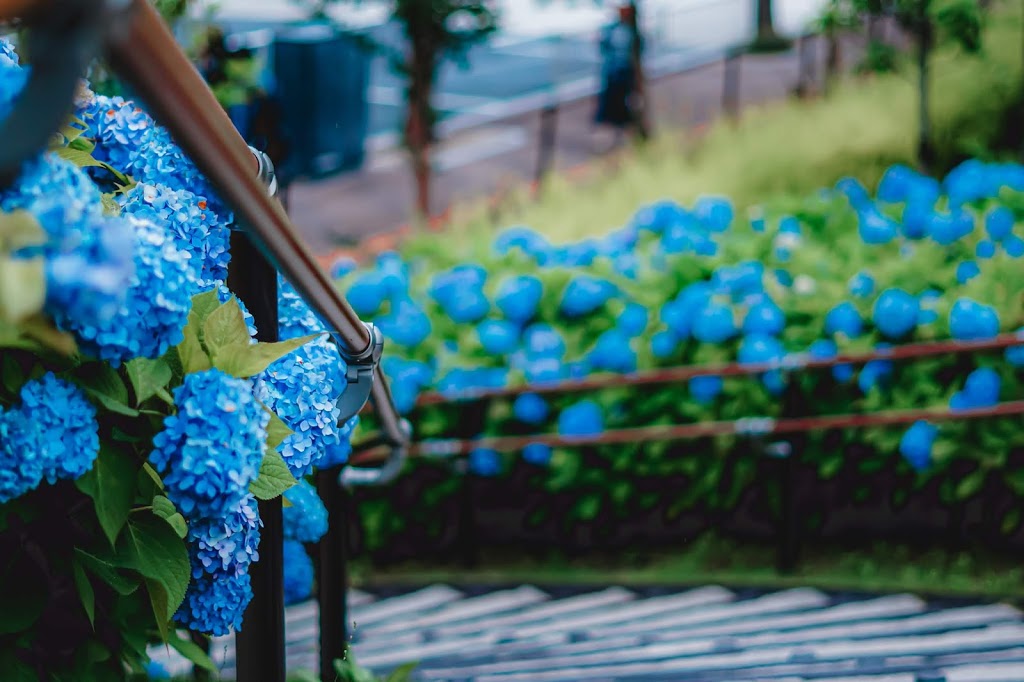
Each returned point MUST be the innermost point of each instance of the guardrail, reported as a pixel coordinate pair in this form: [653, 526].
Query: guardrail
[755, 428]
[67, 35]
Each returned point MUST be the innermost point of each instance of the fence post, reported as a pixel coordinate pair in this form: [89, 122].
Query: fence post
[731, 82]
[468, 542]
[546, 144]
[332, 583]
[259, 645]
[787, 543]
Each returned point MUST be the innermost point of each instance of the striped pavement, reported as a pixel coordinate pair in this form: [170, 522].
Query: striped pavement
[706, 634]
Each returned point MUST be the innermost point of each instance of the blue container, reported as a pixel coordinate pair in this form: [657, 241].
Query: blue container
[320, 78]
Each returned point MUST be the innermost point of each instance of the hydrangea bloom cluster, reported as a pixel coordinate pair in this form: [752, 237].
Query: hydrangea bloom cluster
[52, 435]
[298, 573]
[221, 550]
[210, 450]
[195, 229]
[156, 305]
[118, 128]
[304, 386]
[306, 519]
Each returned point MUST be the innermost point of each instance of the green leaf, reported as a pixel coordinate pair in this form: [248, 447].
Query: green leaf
[107, 572]
[225, 327]
[85, 591]
[205, 303]
[152, 547]
[277, 431]
[191, 353]
[147, 377]
[14, 669]
[80, 158]
[18, 230]
[22, 288]
[248, 359]
[104, 384]
[191, 651]
[402, 673]
[274, 478]
[970, 484]
[111, 485]
[165, 509]
[159, 600]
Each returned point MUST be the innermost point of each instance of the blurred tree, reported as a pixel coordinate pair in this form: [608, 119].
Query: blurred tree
[838, 16]
[767, 39]
[432, 31]
[928, 21]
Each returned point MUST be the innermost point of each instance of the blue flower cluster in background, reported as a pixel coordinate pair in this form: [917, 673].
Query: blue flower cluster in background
[51, 435]
[298, 573]
[305, 518]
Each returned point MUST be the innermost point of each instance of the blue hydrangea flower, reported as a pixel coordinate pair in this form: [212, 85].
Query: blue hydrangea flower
[337, 454]
[537, 454]
[633, 319]
[874, 227]
[1014, 246]
[8, 56]
[970, 320]
[715, 212]
[298, 573]
[214, 603]
[895, 313]
[874, 372]
[156, 671]
[985, 249]
[195, 228]
[21, 460]
[1015, 354]
[306, 519]
[543, 340]
[117, 127]
[157, 160]
[156, 305]
[585, 294]
[406, 325]
[12, 81]
[342, 266]
[980, 390]
[862, 285]
[498, 337]
[613, 352]
[999, 223]
[485, 462]
[523, 238]
[582, 419]
[530, 408]
[966, 271]
[764, 318]
[705, 388]
[65, 425]
[663, 344]
[916, 444]
[714, 324]
[518, 297]
[367, 293]
[225, 546]
[211, 449]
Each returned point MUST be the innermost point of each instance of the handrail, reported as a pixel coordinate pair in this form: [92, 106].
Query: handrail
[142, 50]
[685, 372]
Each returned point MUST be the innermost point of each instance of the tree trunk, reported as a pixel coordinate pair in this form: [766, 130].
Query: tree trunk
[642, 121]
[925, 150]
[765, 23]
[419, 131]
[833, 58]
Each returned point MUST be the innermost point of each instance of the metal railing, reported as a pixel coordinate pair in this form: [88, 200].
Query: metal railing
[66, 36]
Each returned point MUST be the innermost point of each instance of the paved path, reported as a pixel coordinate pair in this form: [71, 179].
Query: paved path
[707, 634]
[485, 159]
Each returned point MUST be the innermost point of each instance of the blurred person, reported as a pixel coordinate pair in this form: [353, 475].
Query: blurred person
[615, 104]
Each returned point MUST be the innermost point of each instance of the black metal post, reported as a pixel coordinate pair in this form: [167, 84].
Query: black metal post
[788, 546]
[332, 583]
[259, 645]
[473, 419]
[546, 145]
[731, 83]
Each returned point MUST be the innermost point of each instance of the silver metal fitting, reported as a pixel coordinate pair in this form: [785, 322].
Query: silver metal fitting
[266, 172]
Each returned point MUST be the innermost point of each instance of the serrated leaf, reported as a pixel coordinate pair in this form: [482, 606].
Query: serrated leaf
[22, 288]
[191, 354]
[205, 303]
[165, 509]
[111, 485]
[277, 431]
[147, 377]
[85, 592]
[159, 600]
[151, 547]
[274, 477]
[225, 327]
[80, 158]
[246, 360]
[107, 572]
[192, 652]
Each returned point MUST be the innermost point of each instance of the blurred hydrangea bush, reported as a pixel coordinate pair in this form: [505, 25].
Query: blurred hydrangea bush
[140, 421]
[845, 270]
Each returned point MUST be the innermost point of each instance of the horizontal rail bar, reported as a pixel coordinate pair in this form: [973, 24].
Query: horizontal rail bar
[741, 427]
[685, 372]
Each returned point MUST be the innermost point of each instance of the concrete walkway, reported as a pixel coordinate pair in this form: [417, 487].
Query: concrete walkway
[346, 210]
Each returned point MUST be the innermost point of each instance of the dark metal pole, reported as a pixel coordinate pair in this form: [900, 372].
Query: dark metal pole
[546, 151]
[259, 645]
[332, 583]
